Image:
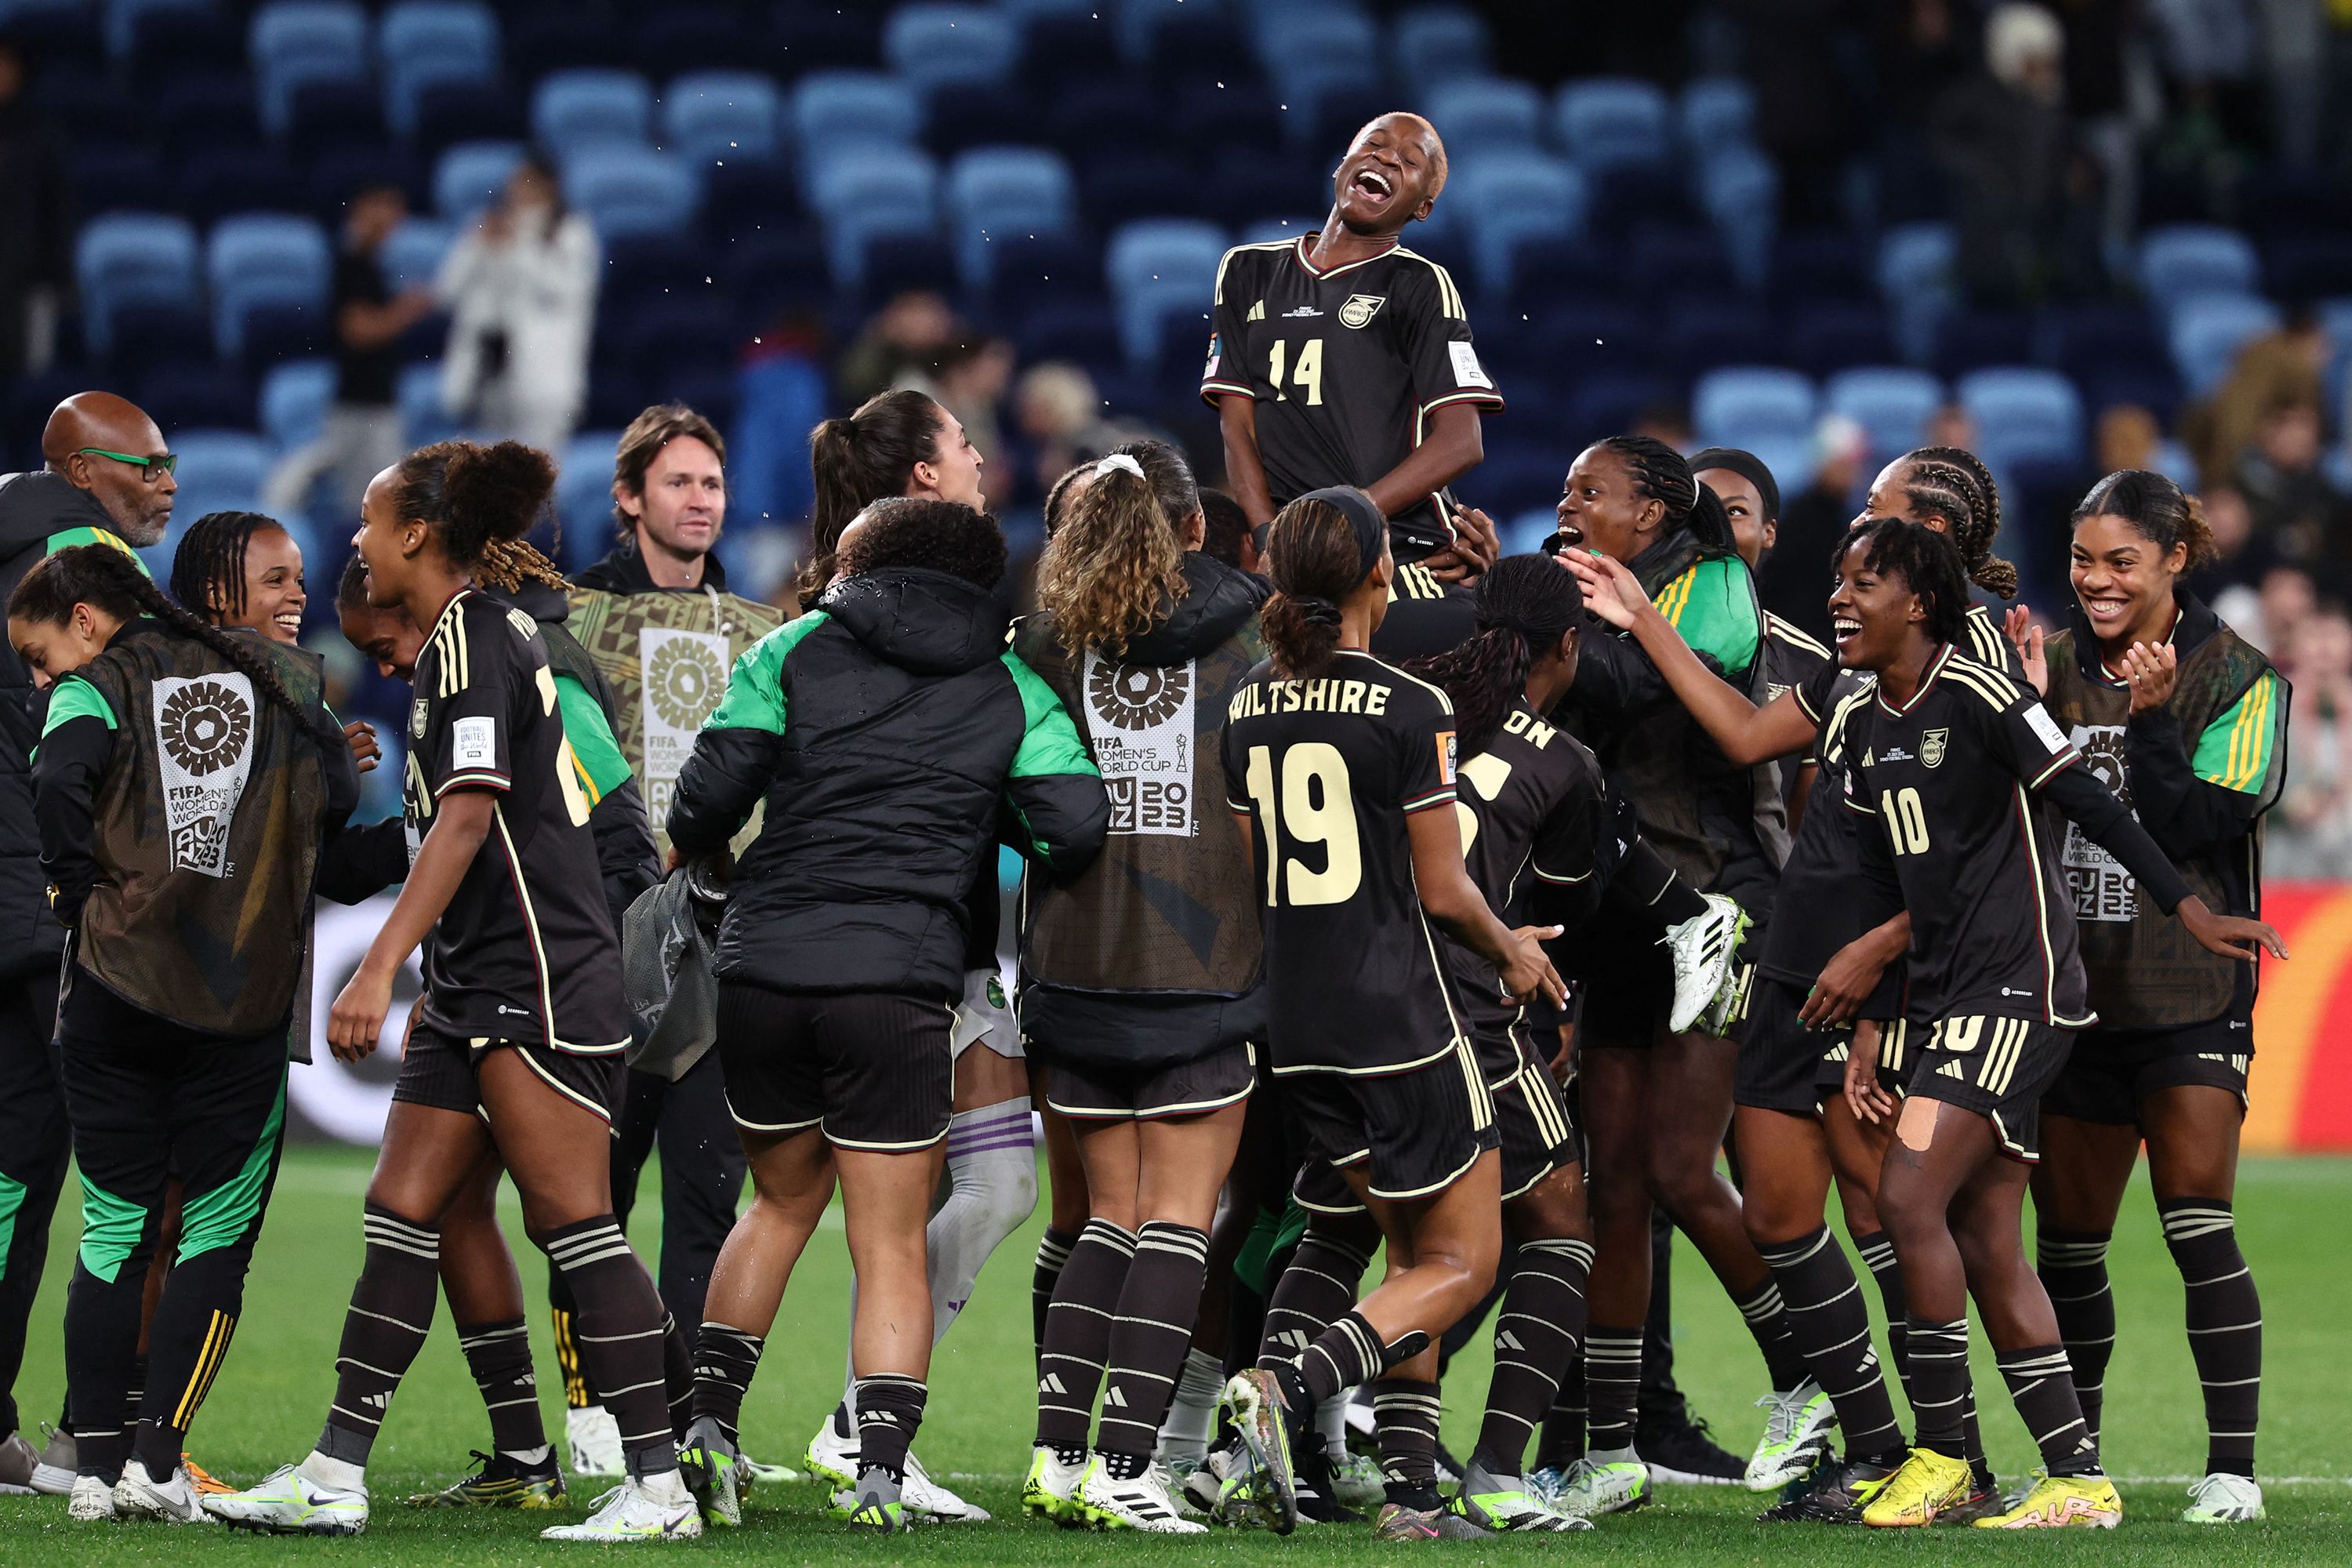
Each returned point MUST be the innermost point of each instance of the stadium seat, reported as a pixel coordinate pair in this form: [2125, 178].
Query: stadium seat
[1825, 336]
[572, 109]
[219, 470]
[1437, 45]
[992, 193]
[470, 176]
[264, 259]
[584, 495]
[426, 42]
[123, 19]
[1314, 53]
[412, 257]
[864, 194]
[2187, 259]
[1508, 199]
[2208, 331]
[834, 109]
[2022, 415]
[122, 258]
[933, 45]
[722, 117]
[1740, 189]
[294, 400]
[1747, 405]
[292, 42]
[1915, 279]
[1487, 114]
[1716, 111]
[1611, 122]
[418, 393]
[1893, 404]
[1158, 270]
[627, 190]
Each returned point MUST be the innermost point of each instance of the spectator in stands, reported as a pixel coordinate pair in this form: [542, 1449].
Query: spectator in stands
[1791, 52]
[362, 436]
[1060, 415]
[968, 377]
[1794, 581]
[2280, 367]
[2315, 809]
[2294, 506]
[909, 330]
[2270, 617]
[523, 292]
[2240, 556]
[2009, 152]
[35, 234]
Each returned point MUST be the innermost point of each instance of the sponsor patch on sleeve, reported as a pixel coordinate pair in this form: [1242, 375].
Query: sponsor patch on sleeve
[2047, 728]
[1467, 371]
[474, 743]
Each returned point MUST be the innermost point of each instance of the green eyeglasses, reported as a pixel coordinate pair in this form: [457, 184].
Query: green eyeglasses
[149, 466]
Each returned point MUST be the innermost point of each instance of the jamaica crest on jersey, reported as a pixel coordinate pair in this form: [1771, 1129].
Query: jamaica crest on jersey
[203, 742]
[1932, 746]
[1360, 308]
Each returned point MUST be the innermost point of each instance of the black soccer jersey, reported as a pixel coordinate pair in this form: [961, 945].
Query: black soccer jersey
[525, 950]
[1532, 810]
[1818, 912]
[1791, 659]
[1949, 783]
[1346, 365]
[1327, 771]
[1426, 616]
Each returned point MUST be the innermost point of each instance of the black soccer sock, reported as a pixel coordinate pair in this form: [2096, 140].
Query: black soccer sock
[391, 1312]
[1878, 1254]
[498, 1354]
[1563, 1428]
[620, 1328]
[1832, 1327]
[1767, 1319]
[2225, 1326]
[1405, 1413]
[1077, 1336]
[101, 1338]
[1939, 1379]
[1348, 1352]
[724, 1360]
[2042, 1386]
[1319, 1285]
[1536, 1334]
[889, 1409]
[1646, 879]
[1149, 1337]
[1052, 1255]
[135, 1393]
[2074, 1269]
[1612, 1385]
[678, 1376]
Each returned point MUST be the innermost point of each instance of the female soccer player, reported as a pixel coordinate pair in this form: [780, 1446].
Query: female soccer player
[1949, 489]
[1959, 769]
[2188, 722]
[1342, 768]
[184, 781]
[1140, 991]
[514, 1050]
[242, 569]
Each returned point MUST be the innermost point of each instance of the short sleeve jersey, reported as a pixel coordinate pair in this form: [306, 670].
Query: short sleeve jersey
[1346, 365]
[526, 949]
[1426, 616]
[1532, 810]
[1326, 772]
[1820, 914]
[1791, 659]
[1948, 785]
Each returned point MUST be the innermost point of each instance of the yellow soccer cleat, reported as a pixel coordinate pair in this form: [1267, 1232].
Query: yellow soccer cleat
[2062, 1502]
[1922, 1487]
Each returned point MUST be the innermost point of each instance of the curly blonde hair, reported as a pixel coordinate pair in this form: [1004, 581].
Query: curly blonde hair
[1115, 564]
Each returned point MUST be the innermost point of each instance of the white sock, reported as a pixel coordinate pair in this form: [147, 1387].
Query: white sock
[1193, 1412]
[1624, 1456]
[666, 1488]
[527, 1456]
[992, 1190]
[333, 1475]
[1331, 1421]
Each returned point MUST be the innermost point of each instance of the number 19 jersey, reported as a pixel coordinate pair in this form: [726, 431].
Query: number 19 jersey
[1326, 773]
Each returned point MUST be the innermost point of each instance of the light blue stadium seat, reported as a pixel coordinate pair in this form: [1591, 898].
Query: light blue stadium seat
[132, 259]
[412, 257]
[1158, 269]
[1485, 114]
[294, 395]
[1892, 403]
[1024, 12]
[1438, 44]
[470, 176]
[122, 19]
[220, 470]
[2209, 329]
[592, 106]
[1915, 279]
[1310, 52]
[2178, 262]
[1611, 122]
[720, 116]
[1740, 189]
[932, 46]
[1751, 405]
[264, 259]
[864, 194]
[2022, 415]
[417, 395]
[629, 190]
[1716, 111]
[584, 495]
[994, 191]
[424, 43]
[1507, 198]
[840, 107]
[295, 42]
[1525, 534]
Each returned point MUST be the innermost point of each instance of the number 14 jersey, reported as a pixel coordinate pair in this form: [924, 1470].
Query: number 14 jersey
[1326, 772]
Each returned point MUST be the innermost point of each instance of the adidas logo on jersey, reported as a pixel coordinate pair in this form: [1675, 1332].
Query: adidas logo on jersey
[1950, 1069]
[1051, 1384]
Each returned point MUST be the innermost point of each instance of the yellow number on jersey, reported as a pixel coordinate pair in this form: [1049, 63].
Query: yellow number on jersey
[1308, 770]
[1307, 374]
[1907, 820]
[1486, 774]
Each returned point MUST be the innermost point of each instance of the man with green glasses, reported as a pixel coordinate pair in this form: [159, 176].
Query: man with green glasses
[107, 480]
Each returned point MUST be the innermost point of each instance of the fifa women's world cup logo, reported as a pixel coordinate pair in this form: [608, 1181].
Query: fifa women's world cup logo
[1139, 719]
[204, 741]
[684, 676]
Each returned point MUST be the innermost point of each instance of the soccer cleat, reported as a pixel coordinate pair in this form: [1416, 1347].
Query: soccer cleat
[2062, 1502]
[1051, 1489]
[1203, 1486]
[931, 1503]
[1703, 949]
[592, 1441]
[204, 1481]
[765, 1475]
[1356, 1479]
[60, 1463]
[628, 1514]
[139, 1495]
[880, 1507]
[1681, 1452]
[287, 1502]
[1591, 1488]
[1502, 1505]
[832, 1459]
[1398, 1523]
[2224, 1499]
[18, 1460]
[1252, 1401]
[710, 1463]
[1317, 1493]
[1142, 1503]
[1983, 1502]
[1796, 1436]
[1925, 1485]
[91, 1500]
[500, 1481]
[1832, 1495]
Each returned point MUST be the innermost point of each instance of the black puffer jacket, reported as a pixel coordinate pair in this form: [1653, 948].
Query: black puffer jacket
[885, 730]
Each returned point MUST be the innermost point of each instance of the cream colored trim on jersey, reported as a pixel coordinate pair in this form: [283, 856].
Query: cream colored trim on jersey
[1436, 691]
[1449, 298]
[750, 1126]
[538, 950]
[603, 1112]
[1236, 250]
[1996, 688]
[1113, 1113]
[1943, 656]
[2041, 918]
[1796, 638]
[1986, 639]
[1298, 251]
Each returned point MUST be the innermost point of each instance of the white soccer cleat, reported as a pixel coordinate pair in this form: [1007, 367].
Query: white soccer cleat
[628, 1515]
[1796, 1436]
[1051, 1490]
[90, 1499]
[592, 1439]
[288, 1502]
[138, 1495]
[1142, 1503]
[1356, 1479]
[1591, 1488]
[1705, 949]
[58, 1467]
[2224, 1499]
[832, 1458]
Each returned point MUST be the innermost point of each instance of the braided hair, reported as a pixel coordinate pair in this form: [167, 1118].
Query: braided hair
[506, 564]
[2158, 508]
[1524, 605]
[480, 500]
[111, 579]
[1958, 468]
[208, 569]
[1664, 475]
[1923, 558]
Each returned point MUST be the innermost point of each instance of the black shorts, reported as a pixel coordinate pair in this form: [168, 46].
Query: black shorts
[1091, 1091]
[2112, 1071]
[1898, 1048]
[1531, 1121]
[442, 1071]
[1780, 1055]
[1413, 1134]
[870, 1070]
[1998, 1068]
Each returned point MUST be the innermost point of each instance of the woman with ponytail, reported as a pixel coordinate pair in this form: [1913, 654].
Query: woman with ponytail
[1139, 1007]
[902, 442]
[514, 1052]
[1341, 769]
[1950, 490]
[185, 780]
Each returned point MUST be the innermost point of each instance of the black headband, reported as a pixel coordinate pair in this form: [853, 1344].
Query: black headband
[1371, 528]
[1749, 467]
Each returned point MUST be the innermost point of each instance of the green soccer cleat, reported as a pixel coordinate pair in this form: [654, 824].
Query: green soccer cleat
[287, 1502]
[500, 1482]
[629, 1515]
[1253, 1403]
[878, 1508]
[711, 1462]
[1051, 1491]
[1502, 1505]
[1796, 1436]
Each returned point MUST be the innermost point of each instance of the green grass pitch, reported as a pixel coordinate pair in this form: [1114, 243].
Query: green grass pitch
[265, 1410]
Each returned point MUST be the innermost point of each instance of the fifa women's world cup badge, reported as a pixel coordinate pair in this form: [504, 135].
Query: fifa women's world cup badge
[1139, 717]
[204, 741]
